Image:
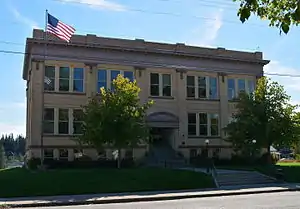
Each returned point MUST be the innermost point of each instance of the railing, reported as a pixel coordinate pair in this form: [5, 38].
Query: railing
[214, 173]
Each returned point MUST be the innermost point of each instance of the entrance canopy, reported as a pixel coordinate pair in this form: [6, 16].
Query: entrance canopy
[162, 120]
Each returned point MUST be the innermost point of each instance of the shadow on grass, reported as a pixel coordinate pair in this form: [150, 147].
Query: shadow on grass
[100, 185]
[19, 182]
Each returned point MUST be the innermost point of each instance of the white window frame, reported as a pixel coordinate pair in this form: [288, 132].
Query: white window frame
[208, 124]
[160, 84]
[72, 121]
[71, 78]
[51, 157]
[190, 86]
[52, 121]
[108, 76]
[237, 91]
[207, 81]
[63, 121]
[191, 123]
[63, 158]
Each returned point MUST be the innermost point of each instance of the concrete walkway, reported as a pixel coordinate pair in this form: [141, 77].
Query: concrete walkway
[144, 196]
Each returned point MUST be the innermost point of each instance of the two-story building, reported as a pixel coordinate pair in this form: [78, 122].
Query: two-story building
[193, 89]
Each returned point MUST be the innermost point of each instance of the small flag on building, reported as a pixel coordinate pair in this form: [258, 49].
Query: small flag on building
[47, 80]
[59, 29]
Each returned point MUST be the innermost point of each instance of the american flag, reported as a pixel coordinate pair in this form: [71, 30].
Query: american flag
[59, 29]
[47, 80]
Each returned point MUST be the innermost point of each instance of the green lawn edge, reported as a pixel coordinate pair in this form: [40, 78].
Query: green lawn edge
[20, 182]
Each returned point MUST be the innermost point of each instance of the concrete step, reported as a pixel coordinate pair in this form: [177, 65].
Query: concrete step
[230, 178]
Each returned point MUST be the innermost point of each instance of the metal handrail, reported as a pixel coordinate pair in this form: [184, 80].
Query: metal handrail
[214, 173]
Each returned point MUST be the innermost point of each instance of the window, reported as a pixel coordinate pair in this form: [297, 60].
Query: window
[48, 153]
[166, 84]
[193, 153]
[190, 86]
[251, 86]
[192, 124]
[202, 87]
[102, 154]
[160, 84]
[213, 88]
[231, 88]
[241, 85]
[64, 78]
[102, 79]
[113, 75]
[203, 124]
[214, 125]
[63, 121]
[77, 121]
[49, 80]
[63, 154]
[129, 75]
[78, 79]
[154, 84]
[48, 124]
[78, 153]
[128, 154]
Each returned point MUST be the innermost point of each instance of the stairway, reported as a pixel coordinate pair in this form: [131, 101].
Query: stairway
[163, 155]
[238, 178]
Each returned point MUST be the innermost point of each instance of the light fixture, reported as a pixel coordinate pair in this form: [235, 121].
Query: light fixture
[207, 141]
[254, 141]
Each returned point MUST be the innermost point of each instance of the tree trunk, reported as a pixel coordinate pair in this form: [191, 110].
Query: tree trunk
[119, 158]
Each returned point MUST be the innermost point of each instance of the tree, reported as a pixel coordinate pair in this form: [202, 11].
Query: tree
[115, 117]
[281, 13]
[297, 126]
[265, 116]
[2, 156]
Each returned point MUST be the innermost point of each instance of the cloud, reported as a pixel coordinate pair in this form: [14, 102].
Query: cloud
[290, 83]
[12, 118]
[32, 24]
[206, 34]
[99, 4]
[14, 129]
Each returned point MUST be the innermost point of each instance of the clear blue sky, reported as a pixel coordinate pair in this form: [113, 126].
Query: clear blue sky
[198, 22]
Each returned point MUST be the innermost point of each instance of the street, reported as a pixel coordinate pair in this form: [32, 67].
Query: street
[283, 200]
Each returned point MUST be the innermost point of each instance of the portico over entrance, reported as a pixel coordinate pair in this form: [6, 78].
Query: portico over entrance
[162, 120]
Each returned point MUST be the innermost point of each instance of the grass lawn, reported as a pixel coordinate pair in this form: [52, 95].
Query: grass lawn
[288, 164]
[19, 182]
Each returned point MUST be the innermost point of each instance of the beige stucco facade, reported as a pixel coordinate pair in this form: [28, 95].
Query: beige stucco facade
[92, 53]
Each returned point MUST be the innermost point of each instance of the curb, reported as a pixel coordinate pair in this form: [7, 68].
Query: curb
[145, 199]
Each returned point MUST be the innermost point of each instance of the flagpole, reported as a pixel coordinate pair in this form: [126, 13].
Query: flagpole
[43, 89]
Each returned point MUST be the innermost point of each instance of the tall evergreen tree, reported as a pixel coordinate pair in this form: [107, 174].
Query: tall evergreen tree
[2, 156]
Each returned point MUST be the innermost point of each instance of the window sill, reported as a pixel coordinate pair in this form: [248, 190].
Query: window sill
[65, 92]
[233, 100]
[61, 135]
[202, 99]
[162, 97]
[203, 137]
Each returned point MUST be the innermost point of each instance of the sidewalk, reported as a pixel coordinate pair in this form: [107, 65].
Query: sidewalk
[144, 196]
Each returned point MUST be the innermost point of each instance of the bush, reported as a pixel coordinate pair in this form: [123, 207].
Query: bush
[33, 163]
[82, 162]
[297, 156]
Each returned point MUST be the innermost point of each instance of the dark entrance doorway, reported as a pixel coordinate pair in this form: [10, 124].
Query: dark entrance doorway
[161, 136]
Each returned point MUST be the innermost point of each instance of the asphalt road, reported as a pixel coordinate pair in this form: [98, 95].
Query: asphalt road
[283, 200]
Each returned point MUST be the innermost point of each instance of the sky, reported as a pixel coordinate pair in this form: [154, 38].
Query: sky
[209, 23]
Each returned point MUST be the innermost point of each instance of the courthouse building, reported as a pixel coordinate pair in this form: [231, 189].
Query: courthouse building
[193, 88]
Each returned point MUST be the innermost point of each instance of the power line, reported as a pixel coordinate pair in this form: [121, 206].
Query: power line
[24, 53]
[167, 13]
